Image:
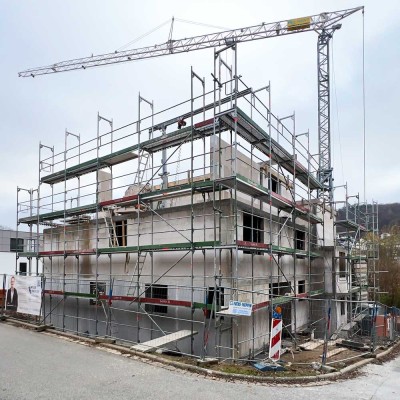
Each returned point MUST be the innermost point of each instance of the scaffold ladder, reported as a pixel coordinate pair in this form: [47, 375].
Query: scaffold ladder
[110, 227]
[141, 259]
[111, 326]
[144, 157]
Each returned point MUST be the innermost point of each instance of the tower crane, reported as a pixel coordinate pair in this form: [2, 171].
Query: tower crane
[324, 24]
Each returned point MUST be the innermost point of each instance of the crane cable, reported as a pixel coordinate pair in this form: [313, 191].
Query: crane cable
[363, 90]
[165, 23]
[142, 36]
[201, 24]
[364, 108]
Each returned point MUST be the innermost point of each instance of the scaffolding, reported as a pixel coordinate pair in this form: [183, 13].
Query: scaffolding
[155, 227]
[357, 237]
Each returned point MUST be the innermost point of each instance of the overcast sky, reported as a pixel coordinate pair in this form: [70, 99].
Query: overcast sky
[35, 33]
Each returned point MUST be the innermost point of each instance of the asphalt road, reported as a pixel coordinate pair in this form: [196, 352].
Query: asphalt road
[42, 366]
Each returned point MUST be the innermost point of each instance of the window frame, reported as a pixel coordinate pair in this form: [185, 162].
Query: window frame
[253, 230]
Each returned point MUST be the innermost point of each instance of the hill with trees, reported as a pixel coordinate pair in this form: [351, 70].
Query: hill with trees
[388, 215]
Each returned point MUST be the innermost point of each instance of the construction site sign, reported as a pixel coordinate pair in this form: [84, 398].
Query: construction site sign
[24, 294]
[240, 308]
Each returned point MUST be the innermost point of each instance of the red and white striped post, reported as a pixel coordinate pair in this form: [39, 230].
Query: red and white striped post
[275, 342]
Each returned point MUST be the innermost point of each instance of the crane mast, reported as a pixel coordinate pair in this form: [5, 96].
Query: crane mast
[324, 24]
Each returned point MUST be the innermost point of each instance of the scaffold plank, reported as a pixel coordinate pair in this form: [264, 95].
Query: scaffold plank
[244, 185]
[248, 129]
[280, 201]
[260, 192]
[179, 137]
[120, 201]
[317, 292]
[360, 258]
[349, 224]
[311, 345]
[210, 106]
[51, 253]
[306, 214]
[154, 344]
[265, 247]
[169, 193]
[28, 254]
[254, 134]
[174, 138]
[92, 165]
[159, 247]
[283, 156]
[59, 214]
[179, 190]
[255, 245]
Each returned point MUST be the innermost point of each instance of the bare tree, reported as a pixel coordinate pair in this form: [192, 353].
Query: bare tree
[389, 263]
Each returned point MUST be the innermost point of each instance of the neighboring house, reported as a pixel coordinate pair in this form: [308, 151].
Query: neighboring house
[12, 242]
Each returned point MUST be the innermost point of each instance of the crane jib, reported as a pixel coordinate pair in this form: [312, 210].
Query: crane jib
[320, 22]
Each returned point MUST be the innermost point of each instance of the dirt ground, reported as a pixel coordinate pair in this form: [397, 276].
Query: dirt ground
[296, 363]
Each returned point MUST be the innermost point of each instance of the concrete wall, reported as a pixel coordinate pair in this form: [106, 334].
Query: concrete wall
[245, 278]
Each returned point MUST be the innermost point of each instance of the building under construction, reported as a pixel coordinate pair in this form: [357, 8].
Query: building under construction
[157, 229]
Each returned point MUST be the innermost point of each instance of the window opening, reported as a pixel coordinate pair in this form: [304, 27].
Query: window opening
[300, 240]
[280, 288]
[156, 292]
[274, 184]
[301, 286]
[342, 264]
[342, 308]
[121, 233]
[219, 300]
[16, 244]
[98, 289]
[253, 230]
[22, 268]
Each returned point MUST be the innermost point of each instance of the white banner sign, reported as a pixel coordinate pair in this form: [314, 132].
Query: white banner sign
[24, 294]
[240, 308]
